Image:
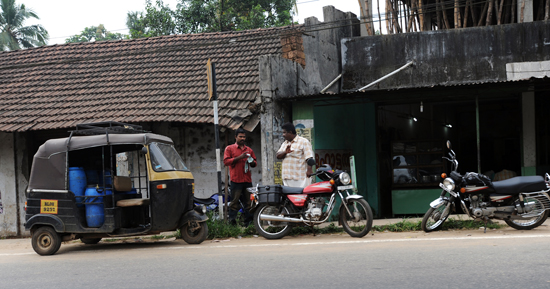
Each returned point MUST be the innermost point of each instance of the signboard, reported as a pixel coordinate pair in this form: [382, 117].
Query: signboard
[337, 159]
[305, 133]
[48, 207]
[209, 77]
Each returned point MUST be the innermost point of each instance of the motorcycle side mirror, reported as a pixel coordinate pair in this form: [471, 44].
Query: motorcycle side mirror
[449, 145]
[143, 150]
[310, 162]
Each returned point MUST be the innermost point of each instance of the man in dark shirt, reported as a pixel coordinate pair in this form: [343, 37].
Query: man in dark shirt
[239, 158]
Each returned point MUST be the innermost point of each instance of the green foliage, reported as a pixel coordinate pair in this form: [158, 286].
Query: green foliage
[95, 33]
[449, 224]
[13, 34]
[452, 224]
[196, 16]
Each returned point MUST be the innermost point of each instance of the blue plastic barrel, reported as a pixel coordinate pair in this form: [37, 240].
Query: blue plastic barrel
[95, 213]
[92, 176]
[77, 183]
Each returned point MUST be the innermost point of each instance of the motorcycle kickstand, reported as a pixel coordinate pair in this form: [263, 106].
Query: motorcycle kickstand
[486, 220]
[312, 228]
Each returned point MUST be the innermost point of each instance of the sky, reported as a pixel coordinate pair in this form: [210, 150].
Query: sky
[64, 18]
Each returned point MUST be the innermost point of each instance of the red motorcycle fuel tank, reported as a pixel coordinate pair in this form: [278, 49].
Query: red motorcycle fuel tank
[318, 188]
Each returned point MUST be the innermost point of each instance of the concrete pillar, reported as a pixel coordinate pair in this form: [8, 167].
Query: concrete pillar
[527, 10]
[529, 158]
[8, 196]
[273, 82]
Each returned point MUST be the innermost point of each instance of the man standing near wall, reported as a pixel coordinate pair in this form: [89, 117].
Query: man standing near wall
[295, 152]
[239, 158]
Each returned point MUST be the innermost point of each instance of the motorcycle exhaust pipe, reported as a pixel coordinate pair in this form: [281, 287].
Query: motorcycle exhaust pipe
[279, 218]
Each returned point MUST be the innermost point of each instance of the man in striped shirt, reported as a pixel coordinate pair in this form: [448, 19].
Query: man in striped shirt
[295, 152]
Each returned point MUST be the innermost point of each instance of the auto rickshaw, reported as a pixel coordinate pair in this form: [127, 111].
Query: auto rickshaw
[109, 179]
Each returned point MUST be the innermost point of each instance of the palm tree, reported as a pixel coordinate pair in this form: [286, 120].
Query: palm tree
[13, 35]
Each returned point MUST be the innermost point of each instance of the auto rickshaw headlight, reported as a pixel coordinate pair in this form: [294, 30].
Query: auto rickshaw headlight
[201, 209]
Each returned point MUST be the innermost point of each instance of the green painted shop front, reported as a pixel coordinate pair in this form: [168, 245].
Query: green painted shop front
[381, 133]
[335, 130]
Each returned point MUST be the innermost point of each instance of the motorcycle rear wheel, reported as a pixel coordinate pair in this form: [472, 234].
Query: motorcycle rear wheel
[271, 229]
[360, 222]
[529, 223]
[434, 218]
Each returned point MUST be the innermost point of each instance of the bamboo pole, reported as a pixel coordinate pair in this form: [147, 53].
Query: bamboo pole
[416, 20]
[495, 7]
[473, 11]
[445, 18]
[438, 15]
[499, 15]
[409, 18]
[413, 15]
[483, 11]
[522, 9]
[546, 10]
[379, 18]
[540, 11]
[489, 13]
[395, 17]
[466, 14]
[365, 17]
[456, 15]
[388, 17]
[421, 15]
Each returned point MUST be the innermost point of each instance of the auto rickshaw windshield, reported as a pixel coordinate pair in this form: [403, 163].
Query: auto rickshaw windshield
[165, 158]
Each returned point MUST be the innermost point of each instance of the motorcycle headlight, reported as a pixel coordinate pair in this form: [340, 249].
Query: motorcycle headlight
[449, 183]
[345, 179]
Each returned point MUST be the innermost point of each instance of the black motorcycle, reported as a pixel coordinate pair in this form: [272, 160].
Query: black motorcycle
[522, 202]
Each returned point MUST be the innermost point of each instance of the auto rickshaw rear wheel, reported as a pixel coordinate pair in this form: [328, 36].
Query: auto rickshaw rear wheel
[194, 232]
[90, 241]
[46, 241]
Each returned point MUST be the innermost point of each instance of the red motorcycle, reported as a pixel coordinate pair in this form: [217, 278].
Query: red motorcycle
[279, 207]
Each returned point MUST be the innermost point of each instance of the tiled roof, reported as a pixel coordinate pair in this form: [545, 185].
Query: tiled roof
[141, 80]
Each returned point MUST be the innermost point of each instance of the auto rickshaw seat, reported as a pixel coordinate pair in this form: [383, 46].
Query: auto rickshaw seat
[133, 202]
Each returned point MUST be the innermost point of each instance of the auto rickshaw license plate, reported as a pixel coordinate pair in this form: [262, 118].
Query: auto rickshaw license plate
[48, 207]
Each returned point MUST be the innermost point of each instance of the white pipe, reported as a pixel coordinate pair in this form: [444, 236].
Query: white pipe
[331, 83]
[388, 75]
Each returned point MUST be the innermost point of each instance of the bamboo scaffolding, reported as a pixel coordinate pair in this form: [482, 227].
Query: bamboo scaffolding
[404, 16]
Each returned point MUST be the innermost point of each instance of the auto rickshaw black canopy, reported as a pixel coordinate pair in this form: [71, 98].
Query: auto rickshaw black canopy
[49, 165]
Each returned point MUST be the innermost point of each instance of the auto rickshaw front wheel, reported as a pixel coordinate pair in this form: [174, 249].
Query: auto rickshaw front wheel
[194, 232]
[46, 241]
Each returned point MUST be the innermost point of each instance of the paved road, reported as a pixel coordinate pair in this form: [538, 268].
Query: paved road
[461, 259]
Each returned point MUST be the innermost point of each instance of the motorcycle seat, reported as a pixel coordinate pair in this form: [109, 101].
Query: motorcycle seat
[207, 201]
[292, 190]
[517, 185]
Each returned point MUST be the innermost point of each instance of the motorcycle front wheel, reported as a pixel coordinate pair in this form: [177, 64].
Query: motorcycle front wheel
[359, 223]
[271, 229]
[434, 218]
